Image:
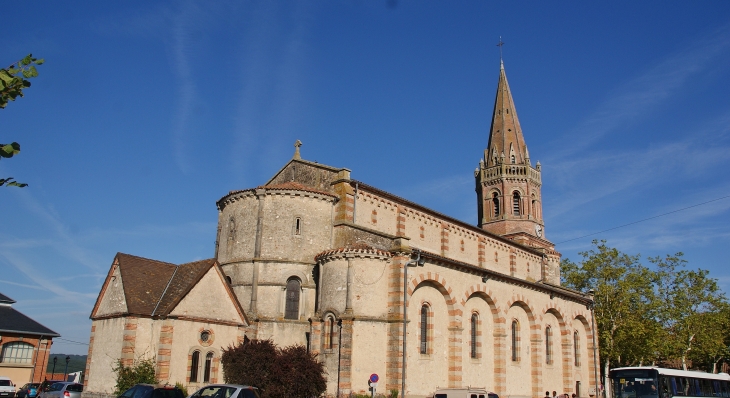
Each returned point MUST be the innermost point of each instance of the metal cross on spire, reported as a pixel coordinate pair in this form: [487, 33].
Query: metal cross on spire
[500, 44]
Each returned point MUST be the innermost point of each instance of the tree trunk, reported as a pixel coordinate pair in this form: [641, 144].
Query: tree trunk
[607, 385]
[684, 362]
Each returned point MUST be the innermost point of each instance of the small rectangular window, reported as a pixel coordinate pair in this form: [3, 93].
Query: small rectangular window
[298, 226]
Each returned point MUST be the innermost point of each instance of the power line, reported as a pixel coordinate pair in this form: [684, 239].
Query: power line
[71, 341]
[646, 219]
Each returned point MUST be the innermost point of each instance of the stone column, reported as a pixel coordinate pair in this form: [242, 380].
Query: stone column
[345, 365]
[129, 339]
[455, 356]
[164, 351]
[500, 359]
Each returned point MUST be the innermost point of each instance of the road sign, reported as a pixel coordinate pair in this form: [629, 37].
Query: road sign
[374, 378]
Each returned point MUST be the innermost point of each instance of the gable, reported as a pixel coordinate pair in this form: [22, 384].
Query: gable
[311, 174]
[210, 299]
[113, 300]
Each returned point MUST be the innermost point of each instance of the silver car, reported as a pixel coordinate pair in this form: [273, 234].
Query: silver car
[226, 391]
[63, 389]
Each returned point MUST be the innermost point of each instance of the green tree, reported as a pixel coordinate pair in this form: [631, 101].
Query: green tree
[625, 303]
[13, 80]
[692, 310]
[141, 371]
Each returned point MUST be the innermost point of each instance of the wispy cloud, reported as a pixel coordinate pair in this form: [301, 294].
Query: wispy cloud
[181, 51]
[271, 102]
[64, 242]
[637, 96]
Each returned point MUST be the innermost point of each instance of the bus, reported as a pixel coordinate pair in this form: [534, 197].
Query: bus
[653, 382]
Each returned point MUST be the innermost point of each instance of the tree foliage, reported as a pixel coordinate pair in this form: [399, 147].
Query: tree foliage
[141, 371]
[651, 315]
[13, 80]
[289, 372]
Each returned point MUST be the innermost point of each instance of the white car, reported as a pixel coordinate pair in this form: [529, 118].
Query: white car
[226, 391]
[7, 388]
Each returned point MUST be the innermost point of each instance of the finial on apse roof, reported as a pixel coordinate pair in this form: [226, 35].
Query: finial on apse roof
[297, 144]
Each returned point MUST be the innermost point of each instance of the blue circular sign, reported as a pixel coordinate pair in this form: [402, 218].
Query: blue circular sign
[374, 378]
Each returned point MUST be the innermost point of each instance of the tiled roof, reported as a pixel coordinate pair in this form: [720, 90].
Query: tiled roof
[144, 282]
[295, 186]
[14, 321]
[185, 277]
[360, 248]
[155, 288]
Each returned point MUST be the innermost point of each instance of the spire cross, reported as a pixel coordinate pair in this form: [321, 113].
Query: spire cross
[500, 44]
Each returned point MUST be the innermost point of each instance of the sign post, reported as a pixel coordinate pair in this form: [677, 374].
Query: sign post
[373, 383]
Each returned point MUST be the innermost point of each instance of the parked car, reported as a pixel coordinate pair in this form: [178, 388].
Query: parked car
[471, 392]
[153, 391]
[7, 388]
[226, 391]
[29, 390]
[45, 386]
[63, 389]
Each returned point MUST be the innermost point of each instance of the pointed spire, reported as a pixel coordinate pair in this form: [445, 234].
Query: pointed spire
[505, 132]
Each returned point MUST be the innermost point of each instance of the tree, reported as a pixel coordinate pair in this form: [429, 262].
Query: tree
[290, 372]
[692, 310]
[141, 371]
[13, 80]
[625, 303]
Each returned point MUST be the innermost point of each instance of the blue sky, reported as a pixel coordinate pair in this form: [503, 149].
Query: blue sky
[146, 113]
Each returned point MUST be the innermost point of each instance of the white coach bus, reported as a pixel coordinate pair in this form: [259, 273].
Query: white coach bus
[651, 382]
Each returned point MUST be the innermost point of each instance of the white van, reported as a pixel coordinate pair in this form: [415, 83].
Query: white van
[471, 392]
[7, 388]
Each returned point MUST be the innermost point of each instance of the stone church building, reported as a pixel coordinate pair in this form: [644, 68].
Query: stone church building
[317, 258]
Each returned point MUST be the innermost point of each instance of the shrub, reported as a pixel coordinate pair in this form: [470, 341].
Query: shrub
[141, 371]
[291, 372]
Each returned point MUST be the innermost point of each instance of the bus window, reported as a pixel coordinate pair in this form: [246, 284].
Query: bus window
[676, 386]
[706, 385]
[697, 389]
[716, 389]
[725, 391]
[663, 387]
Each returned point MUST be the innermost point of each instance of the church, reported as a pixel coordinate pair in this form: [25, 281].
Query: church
[371, 282]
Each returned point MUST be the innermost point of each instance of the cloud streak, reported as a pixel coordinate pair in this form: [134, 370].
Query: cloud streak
[641, 94]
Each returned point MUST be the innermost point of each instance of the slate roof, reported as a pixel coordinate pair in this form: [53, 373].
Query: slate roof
[14, 321]
[186, 276]
[155, 288]
[5, 299]
[144, 282]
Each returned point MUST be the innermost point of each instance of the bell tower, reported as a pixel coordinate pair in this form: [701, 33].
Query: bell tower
[507, 185]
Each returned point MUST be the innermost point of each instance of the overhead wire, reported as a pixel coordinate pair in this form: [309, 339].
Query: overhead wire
[645, 219]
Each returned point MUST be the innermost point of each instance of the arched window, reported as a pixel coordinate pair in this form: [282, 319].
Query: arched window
[512, 159]
[329, 332]
[293, 289]
[424, 329]
[515, 341]
[495, 201]
[297, 226]
[516, 203]
[576, 348]
[327, 335]
[474, 325]
[194, 363]
[208, 367]
[548, 345]
[16, 352]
